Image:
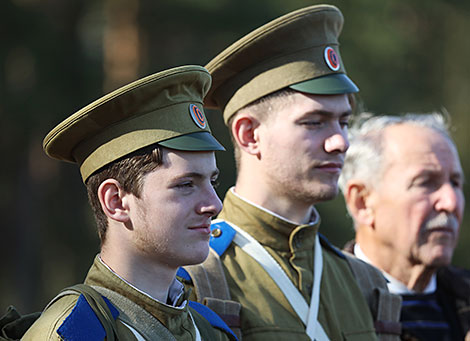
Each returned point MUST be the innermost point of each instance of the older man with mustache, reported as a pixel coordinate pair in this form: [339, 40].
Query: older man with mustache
[403, 186]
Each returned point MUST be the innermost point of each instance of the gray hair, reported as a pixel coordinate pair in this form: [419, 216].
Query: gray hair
[364, 158]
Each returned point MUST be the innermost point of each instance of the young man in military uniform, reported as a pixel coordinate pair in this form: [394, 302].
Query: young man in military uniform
[146, 155]
[286, 99]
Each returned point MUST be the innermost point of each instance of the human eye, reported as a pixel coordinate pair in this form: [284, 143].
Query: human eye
[185, 184]
[344, 124]
[311, 123]
[420, 181]
[344, 121]
[215, 183]
[457, 182]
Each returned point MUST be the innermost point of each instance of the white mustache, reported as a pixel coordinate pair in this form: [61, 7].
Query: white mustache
[442, 220]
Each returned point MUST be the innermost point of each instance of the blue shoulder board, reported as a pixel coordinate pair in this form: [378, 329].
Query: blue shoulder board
[182, 273]
[82, 324]
[326, 243]
[211, 317]
[220, 241]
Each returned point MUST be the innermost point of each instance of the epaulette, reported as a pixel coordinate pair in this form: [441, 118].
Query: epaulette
[326, 243]
[222, 235]
[183, 275]
[83, 324]
[211, 317]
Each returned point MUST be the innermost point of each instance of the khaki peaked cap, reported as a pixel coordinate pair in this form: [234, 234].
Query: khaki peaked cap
[164, 108]
[298, 50]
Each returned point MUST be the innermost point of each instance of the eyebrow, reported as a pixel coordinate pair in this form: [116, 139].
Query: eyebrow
[434, 173]
[197, 175]
[328, 113]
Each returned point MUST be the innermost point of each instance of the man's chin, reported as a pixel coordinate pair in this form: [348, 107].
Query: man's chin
[326, 193]
[198, 257]
[441, 258]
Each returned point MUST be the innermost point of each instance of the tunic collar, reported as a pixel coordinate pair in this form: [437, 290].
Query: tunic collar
[174, 316]
[269, 228]
[175, 292]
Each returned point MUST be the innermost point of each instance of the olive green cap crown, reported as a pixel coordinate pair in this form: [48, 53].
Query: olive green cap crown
[164, 108]
[299, 50]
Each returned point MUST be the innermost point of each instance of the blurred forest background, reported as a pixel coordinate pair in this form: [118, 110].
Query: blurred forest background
[56, 56]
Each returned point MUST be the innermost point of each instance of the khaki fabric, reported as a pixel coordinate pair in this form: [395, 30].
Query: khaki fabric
[164, 108]
[288, 51]
[176, 320]
[266, 313]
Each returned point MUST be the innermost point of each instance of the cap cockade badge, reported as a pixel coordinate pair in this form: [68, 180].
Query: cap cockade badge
[331, 58]
[198, 116]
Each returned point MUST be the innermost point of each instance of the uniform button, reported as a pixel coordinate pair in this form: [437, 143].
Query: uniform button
[216, 233]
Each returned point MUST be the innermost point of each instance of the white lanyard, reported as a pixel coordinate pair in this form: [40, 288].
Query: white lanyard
[134, 331]
[198, 335]
[307, 314]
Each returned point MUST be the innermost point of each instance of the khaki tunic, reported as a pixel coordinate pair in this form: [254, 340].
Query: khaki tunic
[266, 314]
[177, 320]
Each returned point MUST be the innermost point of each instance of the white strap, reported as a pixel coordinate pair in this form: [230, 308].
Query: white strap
[134, 331]
[312, 327]
[198, 335]
[307, 314]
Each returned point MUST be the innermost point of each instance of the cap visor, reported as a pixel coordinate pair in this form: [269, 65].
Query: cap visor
[332, 84]
[198, 141]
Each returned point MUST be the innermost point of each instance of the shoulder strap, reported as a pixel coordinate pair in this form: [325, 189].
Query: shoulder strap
[209, 278]
[212, 290]
[210, 316]
[384, 306]
[100, 306]
[134, 315]
[222, 235]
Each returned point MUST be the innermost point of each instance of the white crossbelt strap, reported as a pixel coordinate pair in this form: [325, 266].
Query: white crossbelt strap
[308, 315]
[135, 332]
[198, 335]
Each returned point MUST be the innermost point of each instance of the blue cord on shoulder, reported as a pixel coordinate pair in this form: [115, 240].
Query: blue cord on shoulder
[82, 324]
[211, 317]
[220, 241]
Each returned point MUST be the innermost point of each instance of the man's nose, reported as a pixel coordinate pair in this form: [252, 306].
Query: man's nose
[338, 142]
[211, 204]
[448, 198]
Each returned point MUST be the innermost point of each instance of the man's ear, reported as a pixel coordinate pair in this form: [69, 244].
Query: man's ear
[357, 199]
[114, 200]
[245, 132]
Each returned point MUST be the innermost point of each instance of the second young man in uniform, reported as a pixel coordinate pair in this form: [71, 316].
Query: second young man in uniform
[286, 99]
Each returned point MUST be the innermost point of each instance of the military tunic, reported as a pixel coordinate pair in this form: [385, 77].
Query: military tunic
[176, 318]
[266, 314]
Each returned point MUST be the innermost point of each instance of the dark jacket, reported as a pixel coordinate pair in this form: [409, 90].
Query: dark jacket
[453, 293]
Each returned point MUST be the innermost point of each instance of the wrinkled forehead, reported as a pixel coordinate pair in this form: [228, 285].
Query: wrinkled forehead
[412, 144]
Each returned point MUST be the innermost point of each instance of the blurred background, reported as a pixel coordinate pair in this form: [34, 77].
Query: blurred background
[57, 56]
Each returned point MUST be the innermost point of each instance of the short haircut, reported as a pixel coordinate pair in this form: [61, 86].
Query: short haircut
[261, 109]
[365, 159]
[130, 172]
